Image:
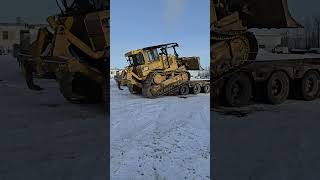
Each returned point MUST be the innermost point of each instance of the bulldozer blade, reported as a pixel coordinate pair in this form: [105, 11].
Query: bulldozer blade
[269, 14]
[191, 63]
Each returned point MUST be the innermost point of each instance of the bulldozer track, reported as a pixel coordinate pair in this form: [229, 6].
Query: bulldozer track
[163, 90]
[219, 36]
[229, 36]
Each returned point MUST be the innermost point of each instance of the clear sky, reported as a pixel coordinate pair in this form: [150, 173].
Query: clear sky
[140, 23]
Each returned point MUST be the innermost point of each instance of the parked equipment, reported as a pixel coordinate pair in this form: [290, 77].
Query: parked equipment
[236, 75]
[73, 49]
[158, 70]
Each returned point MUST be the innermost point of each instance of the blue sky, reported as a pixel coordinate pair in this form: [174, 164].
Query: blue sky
[140, 23]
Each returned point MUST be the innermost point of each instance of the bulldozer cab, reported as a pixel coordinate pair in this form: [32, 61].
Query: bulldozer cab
[157, 57]
[165, 54]
[136, 59]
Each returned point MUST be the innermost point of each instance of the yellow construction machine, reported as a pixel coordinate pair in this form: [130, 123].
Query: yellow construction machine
[234, 72]
[73, 49]
[232, 44]
[158, 70]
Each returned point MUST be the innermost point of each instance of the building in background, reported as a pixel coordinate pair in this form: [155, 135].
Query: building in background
[113, 71]
[10, 33]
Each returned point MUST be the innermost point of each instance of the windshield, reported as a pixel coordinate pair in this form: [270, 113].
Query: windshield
[168, 51]
[136, 59]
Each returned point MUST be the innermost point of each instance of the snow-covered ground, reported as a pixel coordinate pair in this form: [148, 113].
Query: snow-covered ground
[268, 142]
[265, 55]
[164, 138]
[45, 137]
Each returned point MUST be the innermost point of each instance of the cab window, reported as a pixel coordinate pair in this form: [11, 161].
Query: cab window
[152, 55]
[136, 59]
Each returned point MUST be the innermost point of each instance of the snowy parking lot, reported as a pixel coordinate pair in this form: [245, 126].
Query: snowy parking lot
[266, 142]
[163, 138]
[45, 137]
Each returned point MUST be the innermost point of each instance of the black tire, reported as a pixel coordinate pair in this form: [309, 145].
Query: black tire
[133, 89]
[238, 90]
[206, 88]
[196, 89]
[66, 89]
[184, 90]
[88, 88]
[278, 87]
[310, 86]
[80, 89]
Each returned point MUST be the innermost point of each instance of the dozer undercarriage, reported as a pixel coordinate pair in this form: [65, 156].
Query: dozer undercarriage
[160, 83]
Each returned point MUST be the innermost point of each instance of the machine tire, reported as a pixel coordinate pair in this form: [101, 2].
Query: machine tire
[310, 86]
[206, 88]
[65, 86]
[184, 90]
[238, 90]
[133, 89]
[88, 88]
[79, 89]
[196, 89]
[278, 87]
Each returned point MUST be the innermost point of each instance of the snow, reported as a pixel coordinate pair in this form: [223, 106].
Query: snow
[263, 141]
[45, 137]
[163, 138]
[265, 55]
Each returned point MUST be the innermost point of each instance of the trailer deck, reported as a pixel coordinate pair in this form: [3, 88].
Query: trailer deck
[272, 79]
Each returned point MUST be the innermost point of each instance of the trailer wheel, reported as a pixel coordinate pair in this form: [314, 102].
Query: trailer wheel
[184, 90]
[238, 90]
[196, 89]
[206, 88]
[278, 87]
[310, 86]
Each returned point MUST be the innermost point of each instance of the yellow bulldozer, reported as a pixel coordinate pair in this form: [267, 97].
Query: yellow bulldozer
[158, 70]
[232, 44]
[234, 48]
[73, 49]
